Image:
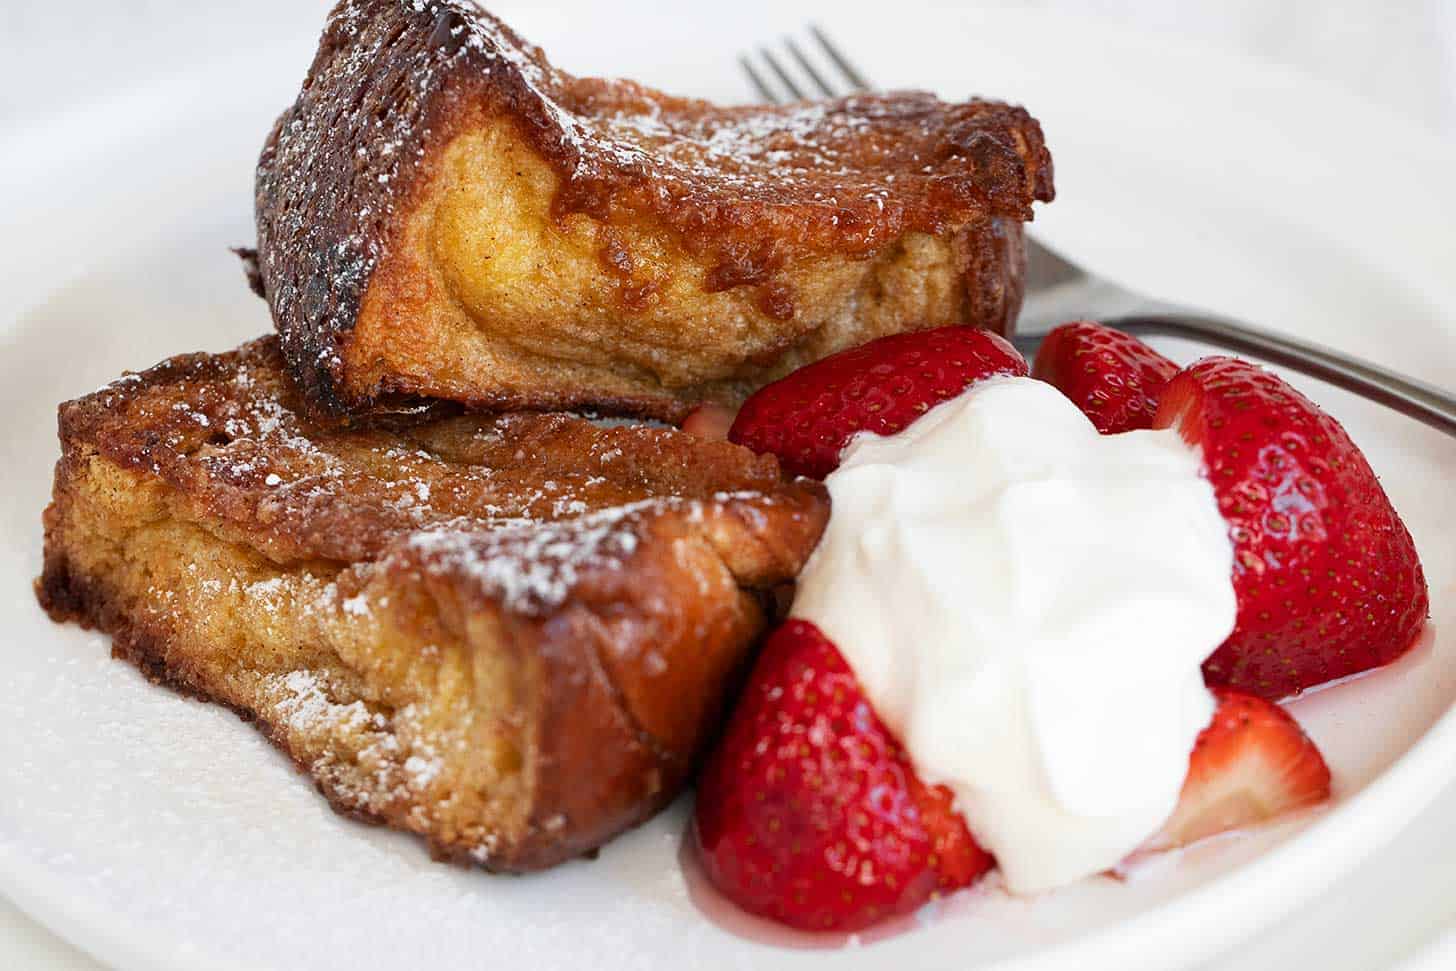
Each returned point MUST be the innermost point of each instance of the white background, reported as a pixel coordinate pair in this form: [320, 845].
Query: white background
[1400, 56]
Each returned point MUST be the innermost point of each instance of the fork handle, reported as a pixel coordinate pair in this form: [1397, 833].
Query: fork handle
[1415, 399]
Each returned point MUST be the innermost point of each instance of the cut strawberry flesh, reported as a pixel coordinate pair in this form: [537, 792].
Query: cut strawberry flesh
[710, 422]
[1251, 764]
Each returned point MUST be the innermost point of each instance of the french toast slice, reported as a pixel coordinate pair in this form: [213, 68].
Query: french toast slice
[508, 634]
[444, 214]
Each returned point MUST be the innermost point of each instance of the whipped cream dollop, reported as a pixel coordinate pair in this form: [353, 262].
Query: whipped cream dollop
[1027, 604]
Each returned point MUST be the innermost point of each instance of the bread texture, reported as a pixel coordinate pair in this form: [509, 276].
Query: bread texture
[511, 635]
[444, 214]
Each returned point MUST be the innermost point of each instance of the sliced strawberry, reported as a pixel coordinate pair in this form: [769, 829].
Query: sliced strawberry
[1113, 377]
[709, 421]
[808, 417]
[1327, 577]
[809, 812]
[1253, 762]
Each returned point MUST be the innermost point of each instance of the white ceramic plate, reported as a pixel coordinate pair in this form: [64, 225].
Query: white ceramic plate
[157, 832]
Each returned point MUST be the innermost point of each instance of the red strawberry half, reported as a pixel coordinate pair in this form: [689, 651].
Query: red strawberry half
[1327, 577]
[809, 812]
[808, 417]
[1113, 377]
[1253, 762]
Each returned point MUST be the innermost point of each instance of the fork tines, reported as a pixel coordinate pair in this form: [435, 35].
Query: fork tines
[817, 74]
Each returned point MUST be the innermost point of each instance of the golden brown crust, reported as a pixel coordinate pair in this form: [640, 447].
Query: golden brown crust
[763, 232]
[508, 634]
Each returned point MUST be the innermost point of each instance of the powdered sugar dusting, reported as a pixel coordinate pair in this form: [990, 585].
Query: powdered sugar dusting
[305, 707]
[358, 749]
[533, 568]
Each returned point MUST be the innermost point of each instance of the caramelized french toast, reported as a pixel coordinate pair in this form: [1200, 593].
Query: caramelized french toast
[508, 634]
[442, 214]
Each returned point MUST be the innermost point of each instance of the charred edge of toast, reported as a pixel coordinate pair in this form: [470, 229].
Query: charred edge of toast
[386, 73]
[400, 78]
[401, 398]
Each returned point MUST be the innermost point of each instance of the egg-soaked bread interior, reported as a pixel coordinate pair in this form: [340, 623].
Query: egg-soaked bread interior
[444, 214]
[510, 635]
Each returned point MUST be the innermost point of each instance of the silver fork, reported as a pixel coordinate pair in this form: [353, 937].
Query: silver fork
[1058, 290]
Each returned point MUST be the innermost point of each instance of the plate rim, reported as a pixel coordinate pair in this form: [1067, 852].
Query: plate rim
[1364, 821]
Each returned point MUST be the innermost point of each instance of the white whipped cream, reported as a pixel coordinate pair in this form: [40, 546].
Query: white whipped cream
[1027, 604]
